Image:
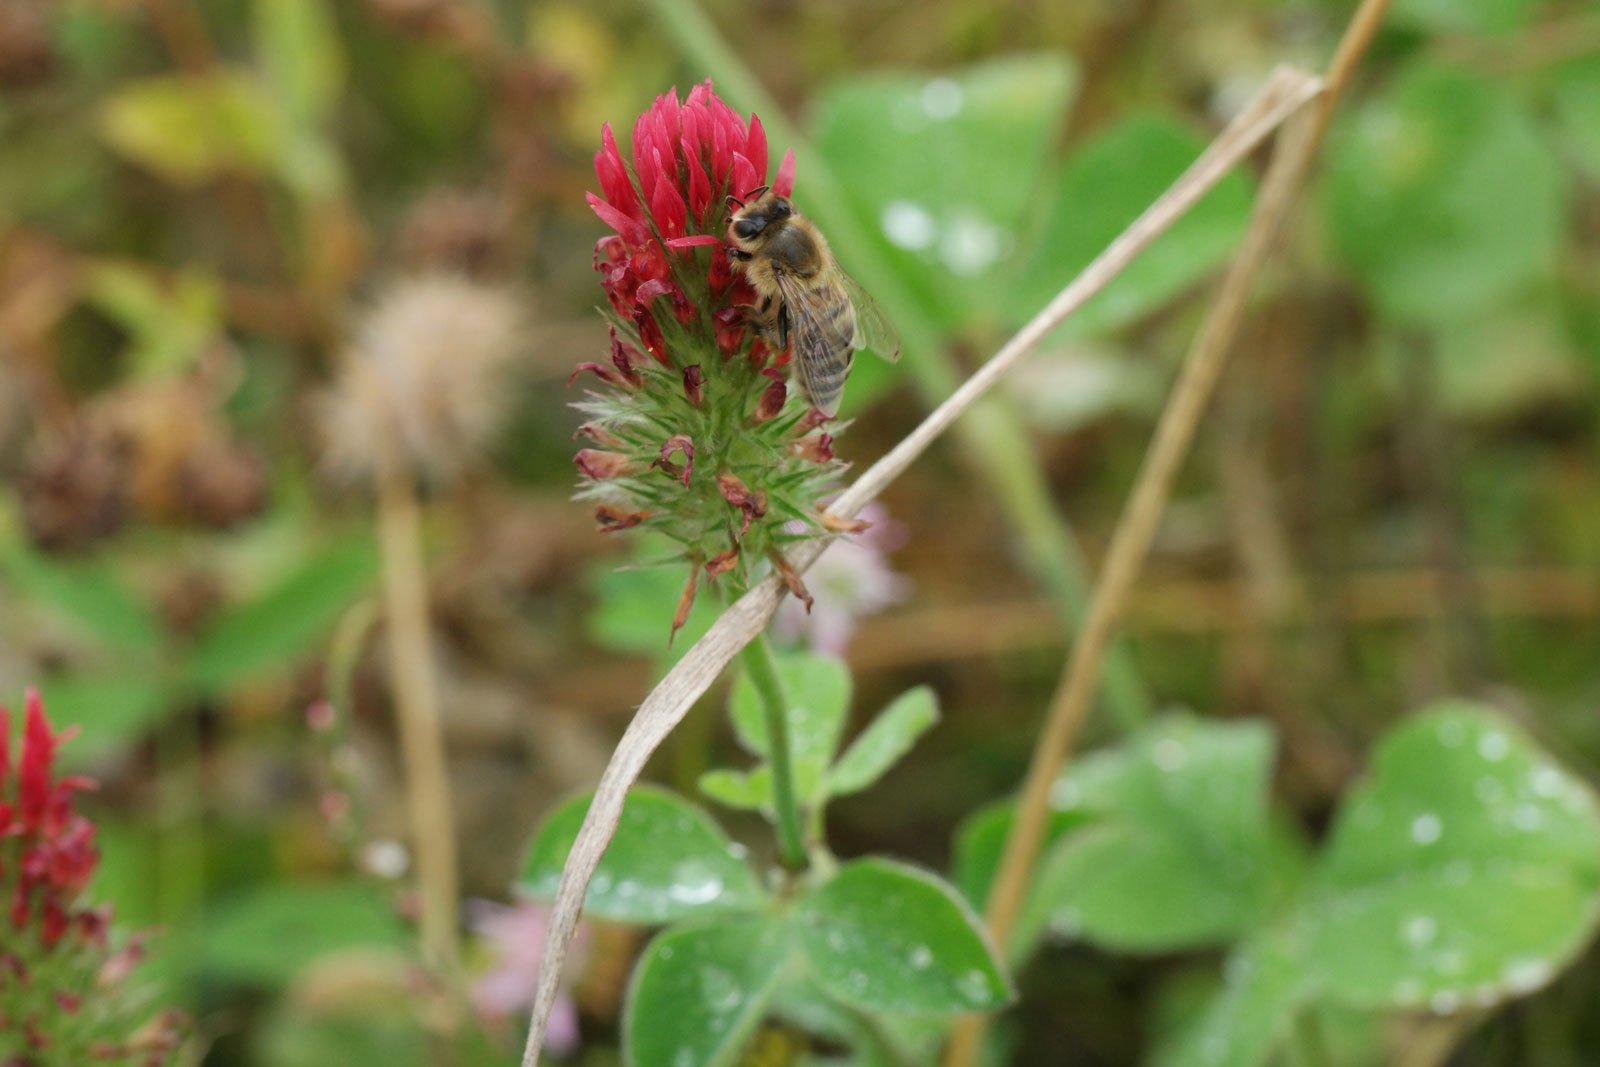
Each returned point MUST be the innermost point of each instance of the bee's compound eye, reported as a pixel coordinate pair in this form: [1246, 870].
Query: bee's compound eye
[782, 208]
[746, 228]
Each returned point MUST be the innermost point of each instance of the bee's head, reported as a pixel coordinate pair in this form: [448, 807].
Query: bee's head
[755, 215]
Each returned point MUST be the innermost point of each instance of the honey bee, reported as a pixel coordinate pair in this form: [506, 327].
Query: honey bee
[803, 295]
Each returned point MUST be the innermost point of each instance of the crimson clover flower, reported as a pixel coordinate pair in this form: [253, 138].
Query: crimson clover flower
[694, 434]
[63, 998]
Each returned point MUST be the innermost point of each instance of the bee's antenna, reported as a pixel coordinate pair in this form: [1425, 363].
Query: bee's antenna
[757, 192]
[731, 200]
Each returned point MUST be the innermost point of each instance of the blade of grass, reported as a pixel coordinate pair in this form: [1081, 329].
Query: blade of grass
[1285, 92]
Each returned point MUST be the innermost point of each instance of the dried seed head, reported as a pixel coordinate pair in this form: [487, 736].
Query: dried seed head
[426, 379]
[74, 489]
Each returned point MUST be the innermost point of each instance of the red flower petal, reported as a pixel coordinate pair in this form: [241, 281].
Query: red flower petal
[752, 505]
[648, 174]
[743, 176]
[666, 204]
[606, 373]
[678, 442]
[598, 434]
[755, 146]
[771, 401]
[653, 288]
[650, 334]
[631, 231]
[666, 110]
[729, 119]
[811, 420]
[624, 357]
[791, 578]
[730, 330]
[5, 762]
[613, 175]
[698, 240]
[839, 524]
[54, 921]
[689, 134]
[612, 519]
[783, 182]
[33, 773]
[699, 184]
[649, 261]
[817, 449]
[685, 602]
[722, 562]
[609, 250]
[721, 156]
[600, 465]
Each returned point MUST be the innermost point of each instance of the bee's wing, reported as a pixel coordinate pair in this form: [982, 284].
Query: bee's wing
[822, 324]
[873, 329]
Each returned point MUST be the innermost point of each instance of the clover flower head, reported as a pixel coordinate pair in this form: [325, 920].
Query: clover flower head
[63, 995]
[691, 429]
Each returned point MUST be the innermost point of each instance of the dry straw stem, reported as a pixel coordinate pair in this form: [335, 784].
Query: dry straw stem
[1130, 544]
[1285, 92]
[416, 701]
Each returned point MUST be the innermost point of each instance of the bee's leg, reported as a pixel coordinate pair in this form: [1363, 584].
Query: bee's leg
[769, 321]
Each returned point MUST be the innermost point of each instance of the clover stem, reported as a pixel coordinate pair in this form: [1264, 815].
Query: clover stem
[416, 703]
[763, 672]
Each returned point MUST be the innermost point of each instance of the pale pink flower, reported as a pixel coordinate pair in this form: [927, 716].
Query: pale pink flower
[514, 938]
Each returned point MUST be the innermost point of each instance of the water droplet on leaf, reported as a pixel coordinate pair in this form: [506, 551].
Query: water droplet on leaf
[942, 99]
[1169, 754]
[908, 225]
[1493, 746]
[1420, 930]
[1426, 828]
